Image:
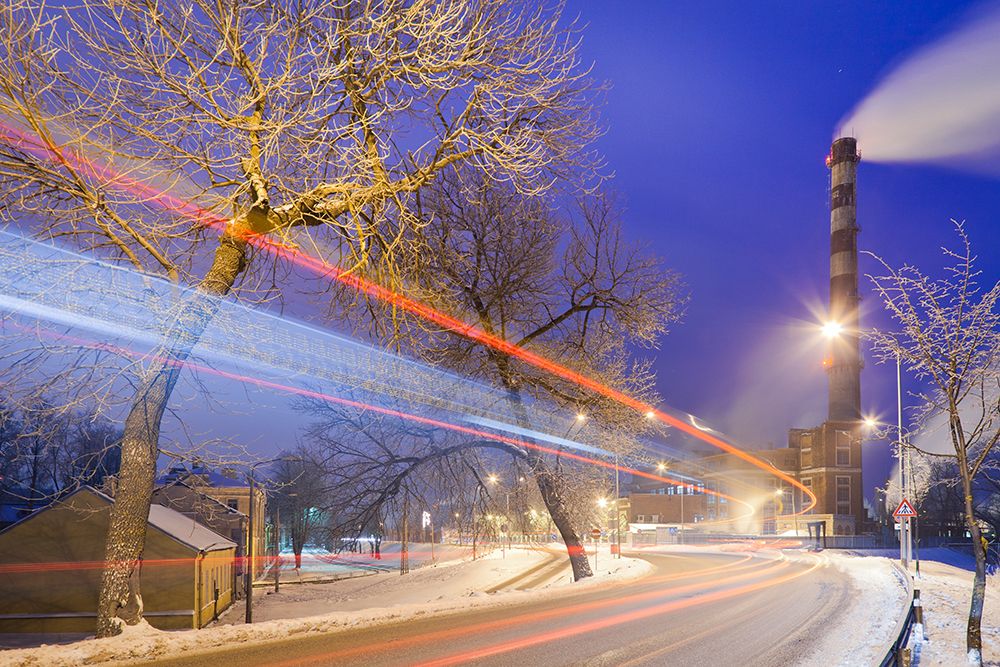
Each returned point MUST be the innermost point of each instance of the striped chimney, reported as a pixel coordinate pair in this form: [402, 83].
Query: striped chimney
[844, 371]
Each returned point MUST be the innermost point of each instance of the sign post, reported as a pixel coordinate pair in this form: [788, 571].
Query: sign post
[596, 534]
[903, 514]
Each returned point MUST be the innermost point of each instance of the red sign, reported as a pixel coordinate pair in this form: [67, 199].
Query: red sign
[595, 533]
[905, 510]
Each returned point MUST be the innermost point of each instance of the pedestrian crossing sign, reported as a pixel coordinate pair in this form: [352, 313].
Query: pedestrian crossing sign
[905, 510]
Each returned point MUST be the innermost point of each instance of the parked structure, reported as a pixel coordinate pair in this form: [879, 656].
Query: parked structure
[56, 556]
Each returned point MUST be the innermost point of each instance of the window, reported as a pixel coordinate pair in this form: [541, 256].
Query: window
[808, 483]
[806, 441]
[843, 495]
[843, 441]
[807, 457]
[233, 503]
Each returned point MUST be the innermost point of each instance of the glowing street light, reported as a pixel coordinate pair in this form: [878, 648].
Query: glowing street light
[602, 502]
[661, 467]
[580, 417]
[650, 415]
[493, 479]
[833, 329]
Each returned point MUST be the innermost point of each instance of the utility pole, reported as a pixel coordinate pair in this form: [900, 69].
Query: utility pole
[404, 556]
[618, 516]
[277, 547]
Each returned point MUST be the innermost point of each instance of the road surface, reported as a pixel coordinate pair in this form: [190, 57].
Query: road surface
[708, 609]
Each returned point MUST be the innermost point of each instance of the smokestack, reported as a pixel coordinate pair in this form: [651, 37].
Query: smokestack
[844, 372]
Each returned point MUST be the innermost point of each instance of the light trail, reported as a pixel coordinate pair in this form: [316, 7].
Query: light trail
[617, 619]
[570, 610]
[392, 298]
[391, 412]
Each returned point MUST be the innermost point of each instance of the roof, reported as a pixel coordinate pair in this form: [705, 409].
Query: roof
[184, 529]
[202, 477]
[207, 498]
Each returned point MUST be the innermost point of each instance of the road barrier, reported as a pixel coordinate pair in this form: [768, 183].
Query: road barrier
[899, 654]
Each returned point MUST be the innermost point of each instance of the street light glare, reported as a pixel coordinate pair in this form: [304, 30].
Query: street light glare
[870, 422]
[602, 502]
[833, 329]
[661, 466]
[650, 414]
[580, 417]
[493, 479]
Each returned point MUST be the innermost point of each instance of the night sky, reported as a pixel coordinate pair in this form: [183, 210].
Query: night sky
[718, 122]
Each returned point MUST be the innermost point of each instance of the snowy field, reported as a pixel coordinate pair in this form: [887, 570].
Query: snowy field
[366, 601]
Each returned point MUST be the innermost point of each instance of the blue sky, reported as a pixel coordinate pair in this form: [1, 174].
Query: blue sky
[718, 121]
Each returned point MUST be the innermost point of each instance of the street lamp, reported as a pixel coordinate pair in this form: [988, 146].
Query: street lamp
[494, 479]
[833, 330]
[249, 573]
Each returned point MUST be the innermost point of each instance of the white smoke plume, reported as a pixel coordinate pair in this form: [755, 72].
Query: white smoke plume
[940, 105]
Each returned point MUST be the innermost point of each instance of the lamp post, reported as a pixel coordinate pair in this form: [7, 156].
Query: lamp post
[249, 570]
[494, 480]
[618, 514]
[902, 452]
[834, 330]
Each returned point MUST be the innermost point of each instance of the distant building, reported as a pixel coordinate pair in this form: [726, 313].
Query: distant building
[54, 557]
[211, 513]
[229, 488]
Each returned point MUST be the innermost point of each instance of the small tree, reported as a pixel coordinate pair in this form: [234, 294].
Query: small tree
[949, 336]
[299, 485]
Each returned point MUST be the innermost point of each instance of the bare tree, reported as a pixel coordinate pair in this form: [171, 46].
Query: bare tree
[310, 123]
[564, 285]
[949, 336]
[298, 495]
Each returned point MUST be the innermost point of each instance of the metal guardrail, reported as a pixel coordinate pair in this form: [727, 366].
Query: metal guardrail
[898, 654]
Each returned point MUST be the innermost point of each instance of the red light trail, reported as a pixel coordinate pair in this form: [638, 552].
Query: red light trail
[618, 619]
[15, 137]
[337, 400]
[753, 571]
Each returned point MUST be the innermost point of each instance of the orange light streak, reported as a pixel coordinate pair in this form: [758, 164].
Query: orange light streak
[381, 293]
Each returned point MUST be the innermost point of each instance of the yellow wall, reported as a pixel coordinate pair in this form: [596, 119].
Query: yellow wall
[58, 555]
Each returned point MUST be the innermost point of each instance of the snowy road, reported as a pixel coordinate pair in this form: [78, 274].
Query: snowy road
[709, 608]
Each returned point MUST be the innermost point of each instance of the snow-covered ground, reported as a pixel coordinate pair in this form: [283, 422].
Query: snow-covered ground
[945, 592]
[309, 608]
[865, 630]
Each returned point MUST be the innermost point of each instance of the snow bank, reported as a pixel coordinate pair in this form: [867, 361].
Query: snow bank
[946, 592]
[379, 599]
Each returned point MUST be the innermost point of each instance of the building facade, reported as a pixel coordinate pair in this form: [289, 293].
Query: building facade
[185, 576]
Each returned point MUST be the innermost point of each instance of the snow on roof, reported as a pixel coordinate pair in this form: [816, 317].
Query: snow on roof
[187, 530]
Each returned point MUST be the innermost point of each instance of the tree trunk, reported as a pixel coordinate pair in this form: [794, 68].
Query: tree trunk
[120, 599]
[550, 487]
[974, 634]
